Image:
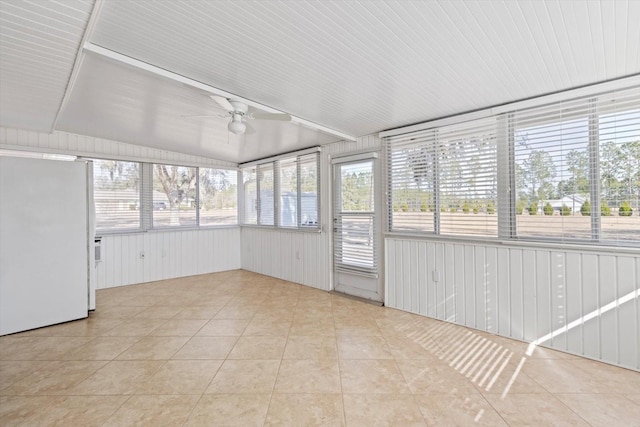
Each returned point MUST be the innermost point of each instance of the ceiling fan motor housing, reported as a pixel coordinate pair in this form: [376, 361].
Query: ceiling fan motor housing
[239, 107]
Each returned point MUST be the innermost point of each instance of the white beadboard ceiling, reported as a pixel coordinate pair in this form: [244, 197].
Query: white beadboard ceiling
[358, 67]
[39, 42]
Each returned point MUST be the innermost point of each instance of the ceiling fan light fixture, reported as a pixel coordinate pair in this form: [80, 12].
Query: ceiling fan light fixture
[236, 126]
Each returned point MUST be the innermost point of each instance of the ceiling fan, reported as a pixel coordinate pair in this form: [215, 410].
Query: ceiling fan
[239, 113]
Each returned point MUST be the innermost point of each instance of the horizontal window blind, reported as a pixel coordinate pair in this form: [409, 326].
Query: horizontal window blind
[577, 168]
[619, 166]
[116, 191]
[444, 180]
[412, 177]
[218, 197]
[285, 189]
[266, 192]
[568, 171]
[354, 248]
[250, 186]
[308, 185]
[287, 173]
[174, 196]
[467, 166]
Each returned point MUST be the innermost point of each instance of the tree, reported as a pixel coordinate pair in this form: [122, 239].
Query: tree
[610, 164]
[539, 171]
[178, 183]
[625, 209]
[630, 171]
[565, 210]
[117, 175]
[585, 209]
[548, 209]
[578, 166]
[214, 188]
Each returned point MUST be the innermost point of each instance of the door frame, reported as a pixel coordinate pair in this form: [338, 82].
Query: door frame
[379, 218]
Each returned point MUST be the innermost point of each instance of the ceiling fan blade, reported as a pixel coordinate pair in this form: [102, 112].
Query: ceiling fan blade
[223, 102]
[249, 130]
[201, 116]
[271, 116]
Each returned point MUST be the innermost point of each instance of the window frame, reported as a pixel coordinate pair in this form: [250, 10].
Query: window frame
[591, 103]
[274, 164]
[119, 230]
[146, 199]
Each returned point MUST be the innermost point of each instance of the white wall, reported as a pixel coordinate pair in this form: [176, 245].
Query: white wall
[525, 293]
[302, 257]
[289, 255]
[168, 254]
[520, 292]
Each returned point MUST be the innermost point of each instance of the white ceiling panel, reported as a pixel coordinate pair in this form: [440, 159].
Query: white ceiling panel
[39, 42]
[363, 66]
[115, 101]
[358, 67]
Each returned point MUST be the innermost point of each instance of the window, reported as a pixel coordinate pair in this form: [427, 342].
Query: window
[174, 196]
[444, 180]
[282, 192]
[566, 171]
[131, 196]
[298, 182]
[412, 182]
[266, 191]
[467, 166]
[577, 169]
[308, 176]
[619, 149]
[250, 184]
[116, 193]
[552, 180]
[218, 197]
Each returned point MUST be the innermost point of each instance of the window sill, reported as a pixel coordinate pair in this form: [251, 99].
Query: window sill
[288, 229]
[533, 244]
[163, 230]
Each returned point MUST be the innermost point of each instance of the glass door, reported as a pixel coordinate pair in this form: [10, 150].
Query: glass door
[356, 227]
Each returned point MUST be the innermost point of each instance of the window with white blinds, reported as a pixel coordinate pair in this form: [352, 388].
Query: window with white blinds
[134, 196]
[218, 197]
[572, 173]
[116, 193]
[444, 180]
[577, 169]
[266, 191]
[174, 196]
[283, 192]
[619, 169]
[250, 191]
[412, 181]
[354, 217]
[467, 181]
[298, 190]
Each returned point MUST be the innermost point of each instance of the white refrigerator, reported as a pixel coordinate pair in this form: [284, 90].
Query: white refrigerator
[46, 242]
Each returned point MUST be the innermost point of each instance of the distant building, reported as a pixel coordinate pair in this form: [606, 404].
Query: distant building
[574, 201]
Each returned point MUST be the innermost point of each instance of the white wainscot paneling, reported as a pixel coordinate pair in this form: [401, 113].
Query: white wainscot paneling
[166, 255]
[302, 257]
[295, 256]
[582, 302]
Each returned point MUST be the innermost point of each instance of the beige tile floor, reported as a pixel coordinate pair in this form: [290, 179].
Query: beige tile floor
[238, 348]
